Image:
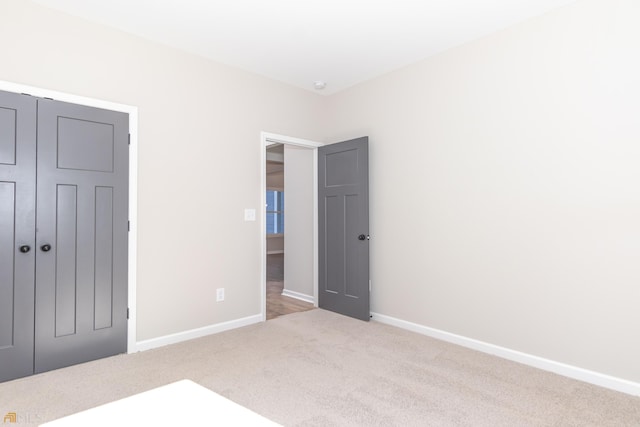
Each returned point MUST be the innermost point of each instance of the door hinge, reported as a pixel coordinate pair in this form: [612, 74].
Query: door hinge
[128, 225]
[127, 313]
[129, 139]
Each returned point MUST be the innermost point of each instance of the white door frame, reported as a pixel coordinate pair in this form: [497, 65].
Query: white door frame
[267, 139]
[133, 182]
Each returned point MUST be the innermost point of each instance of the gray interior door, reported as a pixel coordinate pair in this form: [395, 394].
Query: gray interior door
[17, 233]
[343, 228]
[82, 205]
[63, 234]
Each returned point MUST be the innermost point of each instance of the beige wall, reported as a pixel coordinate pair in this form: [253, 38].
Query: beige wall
[505, 187]
[298, 219]
[200, 126]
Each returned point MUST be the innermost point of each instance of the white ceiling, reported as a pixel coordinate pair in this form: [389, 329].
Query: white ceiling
[341, 42]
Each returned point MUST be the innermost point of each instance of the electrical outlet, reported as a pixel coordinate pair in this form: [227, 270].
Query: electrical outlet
[219, 294]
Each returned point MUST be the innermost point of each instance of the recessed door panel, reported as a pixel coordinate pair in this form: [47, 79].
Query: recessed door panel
[7, 253]
[103, 258]
[66, 256]
[334, 232]
[85, 144]
[352, 264]
[8, 135]
[341, 168]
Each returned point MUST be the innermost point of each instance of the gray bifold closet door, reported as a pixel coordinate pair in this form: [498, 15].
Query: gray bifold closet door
[67, 296]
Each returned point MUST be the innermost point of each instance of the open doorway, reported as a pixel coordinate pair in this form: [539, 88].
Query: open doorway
[289, 278]
[289, 229]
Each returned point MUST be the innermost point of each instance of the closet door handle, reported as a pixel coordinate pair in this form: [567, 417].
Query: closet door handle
[25, 248]
[45, 247]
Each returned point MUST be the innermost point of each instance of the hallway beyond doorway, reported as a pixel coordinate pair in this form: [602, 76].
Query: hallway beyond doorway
[277, 304]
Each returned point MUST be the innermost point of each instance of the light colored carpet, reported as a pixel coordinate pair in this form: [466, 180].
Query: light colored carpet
[318, 368]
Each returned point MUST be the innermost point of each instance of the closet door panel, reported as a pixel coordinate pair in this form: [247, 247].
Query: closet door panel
[17, 233]
[81, 291]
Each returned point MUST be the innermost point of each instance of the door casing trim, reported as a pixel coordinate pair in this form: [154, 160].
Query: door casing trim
[267, 139]
[132, 111]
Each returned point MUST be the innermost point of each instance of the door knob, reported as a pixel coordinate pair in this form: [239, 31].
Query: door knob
[45, 247]
[363, 237]
[25, 248]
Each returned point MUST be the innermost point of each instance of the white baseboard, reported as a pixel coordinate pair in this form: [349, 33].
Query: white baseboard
[298, 295]
[195, 333]
[596, 378]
